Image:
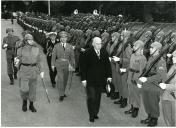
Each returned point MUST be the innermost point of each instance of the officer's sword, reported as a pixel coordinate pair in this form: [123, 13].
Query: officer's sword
[46, 91]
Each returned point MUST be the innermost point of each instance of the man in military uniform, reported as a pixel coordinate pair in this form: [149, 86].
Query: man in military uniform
[29, 61]
[149, 85]
[9, 43]
[168, 100]
[137, 64]
[64, 61]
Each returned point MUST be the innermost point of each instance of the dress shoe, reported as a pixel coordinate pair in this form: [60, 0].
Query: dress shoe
[53, 85]
[24, 106]
[119, 101]
[96, 117]
[11, 82]
[124, 103]
[91, 119]
[153, 122]
[135, 112]
[32, 108]
[130, 110]
[61, 98]
[146, 121]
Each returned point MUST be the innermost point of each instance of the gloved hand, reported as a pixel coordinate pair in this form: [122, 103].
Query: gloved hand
[70, 68]
[16, 61]
[122, 70]
[162, 85]
[83, 50]
[53, 67]
[116, 59]
[110, 59]
[84, 83]
[42, 74]
[169, 55]
[143, 79]
[109, 79]
[5, 45]
[139, 85]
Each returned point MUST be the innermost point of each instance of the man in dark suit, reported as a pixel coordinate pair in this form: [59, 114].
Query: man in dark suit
[96, 71]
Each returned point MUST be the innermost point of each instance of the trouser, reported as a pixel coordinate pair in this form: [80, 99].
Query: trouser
[93, 100]
[169, 112]
[134, 95]
[51, 72]
[115, 78]
[124, 85]
[151, 98]
[62, 75]
[11, 69]
[28, 89]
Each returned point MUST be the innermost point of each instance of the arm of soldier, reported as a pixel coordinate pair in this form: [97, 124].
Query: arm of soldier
[18, 58]
[161, 73]
[40, 61]
[4, 43]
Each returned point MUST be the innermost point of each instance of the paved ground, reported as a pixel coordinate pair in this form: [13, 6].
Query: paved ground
[71, 112]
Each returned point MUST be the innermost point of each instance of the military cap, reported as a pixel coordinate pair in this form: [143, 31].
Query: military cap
[126, 33]
[156, 45]
[139, 44]
[174, 53]
[52, 34]
[9, 29]
[63, 34]
[96, 33]
[28, 37]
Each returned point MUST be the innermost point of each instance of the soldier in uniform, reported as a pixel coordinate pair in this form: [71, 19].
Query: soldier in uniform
[168, 100]
[9, 43]
[49, 49]
[64, 61]
[149, 85]
[137, 64]
[29, 60]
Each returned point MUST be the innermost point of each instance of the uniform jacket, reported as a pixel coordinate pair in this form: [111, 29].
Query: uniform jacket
[95, 71]
[59, 54]
[171, 86]
[49, 47]
[30, 55]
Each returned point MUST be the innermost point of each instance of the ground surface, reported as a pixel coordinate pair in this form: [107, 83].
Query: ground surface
[71, 112]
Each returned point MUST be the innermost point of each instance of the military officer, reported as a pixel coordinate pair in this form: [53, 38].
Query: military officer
[149, 85]
[64, 61]
[9, 43]
[168, 100]
[29, 60]
[137, 64]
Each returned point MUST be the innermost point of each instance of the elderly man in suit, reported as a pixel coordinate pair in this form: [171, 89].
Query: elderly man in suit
[64, 61]
[96, 71]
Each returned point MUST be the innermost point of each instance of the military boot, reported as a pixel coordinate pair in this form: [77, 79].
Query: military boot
[24, 106]
[153, 122]
[130, 110]
[11, 79]
[135, 112]
[119, 101]
[124, 103]
[147, 120]
[115, 96]
[31, 107]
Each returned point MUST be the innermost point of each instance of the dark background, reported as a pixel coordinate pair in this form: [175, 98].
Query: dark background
[160, 11]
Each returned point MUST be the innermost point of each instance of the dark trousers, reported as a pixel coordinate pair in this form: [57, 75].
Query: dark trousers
[51, 72]
[11, 69]
[93, 100]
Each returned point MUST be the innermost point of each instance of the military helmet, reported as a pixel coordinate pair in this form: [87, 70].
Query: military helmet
[139, 44]
[156, 45]
[28, 37]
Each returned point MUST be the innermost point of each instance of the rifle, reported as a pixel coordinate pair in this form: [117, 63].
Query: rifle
[46, 91]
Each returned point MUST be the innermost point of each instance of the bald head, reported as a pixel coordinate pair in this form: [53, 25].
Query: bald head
[97, 43]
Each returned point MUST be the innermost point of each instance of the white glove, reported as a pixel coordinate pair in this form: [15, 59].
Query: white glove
[143, 79]
[109, 79]
[83, 50]
[169, 55]
[5, 45]
[139, 85]
[52, 67]
[42, 74]
[16, 61]
[162, 85]
[84, 83]
[116, 59]
[122, 69]
[110, 59]
[70, 68]
[73, 47]
[40, 30]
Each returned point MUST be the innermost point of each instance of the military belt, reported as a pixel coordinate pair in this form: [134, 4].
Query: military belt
[32, 65]
[62, 59]
[11, 48]
[133, 70]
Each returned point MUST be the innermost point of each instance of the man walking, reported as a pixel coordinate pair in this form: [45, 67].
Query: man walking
[96, 71]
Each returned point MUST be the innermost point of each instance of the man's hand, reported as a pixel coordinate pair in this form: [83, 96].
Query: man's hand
[122, 70]
[16, 61]
[53, 67]
[83, 50]
[5, 45]
[169, 55]
[70, 68]
[143, 79]
[162, 85]
[109, 79]
[139, 85]
[84, 83]
[116, 59]
[42, 74]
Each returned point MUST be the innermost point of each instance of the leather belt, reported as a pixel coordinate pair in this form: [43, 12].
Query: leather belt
[10, 48]
[133, 70]
[32, 65]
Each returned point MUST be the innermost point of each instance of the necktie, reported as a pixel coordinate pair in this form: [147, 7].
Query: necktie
[63, 46]
[98, 54]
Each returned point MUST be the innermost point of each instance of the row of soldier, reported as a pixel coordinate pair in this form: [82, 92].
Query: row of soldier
[127, 62]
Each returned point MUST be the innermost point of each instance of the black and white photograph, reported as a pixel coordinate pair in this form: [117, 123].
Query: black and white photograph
[88, 63]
